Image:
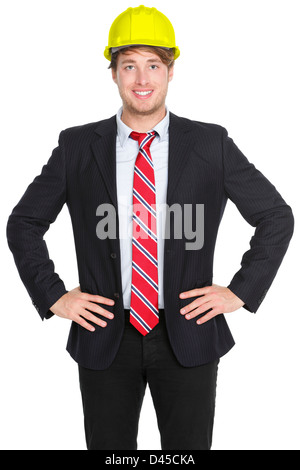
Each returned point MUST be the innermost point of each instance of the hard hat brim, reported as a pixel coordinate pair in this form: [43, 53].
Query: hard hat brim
[107, 51]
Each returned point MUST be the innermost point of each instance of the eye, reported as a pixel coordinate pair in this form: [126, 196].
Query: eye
[154, 66]
[127, 68]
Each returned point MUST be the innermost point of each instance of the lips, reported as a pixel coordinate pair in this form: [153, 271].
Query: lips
[142, 94]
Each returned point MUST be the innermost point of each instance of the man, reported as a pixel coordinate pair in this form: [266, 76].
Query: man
[146, 310]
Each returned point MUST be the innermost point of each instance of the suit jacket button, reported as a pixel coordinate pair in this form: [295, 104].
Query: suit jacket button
[116, 295]
[113, 255]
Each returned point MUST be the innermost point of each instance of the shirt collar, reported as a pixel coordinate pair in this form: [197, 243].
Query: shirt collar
[123, 131]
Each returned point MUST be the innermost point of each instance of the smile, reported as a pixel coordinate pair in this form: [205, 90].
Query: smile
[143, 94]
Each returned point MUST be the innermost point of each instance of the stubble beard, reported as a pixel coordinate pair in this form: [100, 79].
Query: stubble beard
[132, 109]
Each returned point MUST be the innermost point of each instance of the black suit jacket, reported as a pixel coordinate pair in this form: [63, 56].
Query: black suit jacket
[205, 167]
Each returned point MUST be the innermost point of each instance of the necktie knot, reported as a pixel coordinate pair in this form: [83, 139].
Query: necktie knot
[143, 137]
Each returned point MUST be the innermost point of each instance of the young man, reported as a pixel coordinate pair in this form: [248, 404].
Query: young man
[146, 310]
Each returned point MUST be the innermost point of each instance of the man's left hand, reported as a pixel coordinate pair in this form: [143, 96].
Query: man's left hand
[217, 298]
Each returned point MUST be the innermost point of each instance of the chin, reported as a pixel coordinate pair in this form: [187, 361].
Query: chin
[144, 108]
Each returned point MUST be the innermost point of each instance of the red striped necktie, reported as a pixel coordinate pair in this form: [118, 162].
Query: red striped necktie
[144, 313]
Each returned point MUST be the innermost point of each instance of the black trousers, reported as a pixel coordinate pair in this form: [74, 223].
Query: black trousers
[183, 397]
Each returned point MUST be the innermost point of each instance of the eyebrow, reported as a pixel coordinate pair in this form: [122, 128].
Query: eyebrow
[131, 61]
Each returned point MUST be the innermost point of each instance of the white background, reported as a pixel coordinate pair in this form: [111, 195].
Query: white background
[239, 67]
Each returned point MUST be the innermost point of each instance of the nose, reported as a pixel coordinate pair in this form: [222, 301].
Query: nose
[142, 77]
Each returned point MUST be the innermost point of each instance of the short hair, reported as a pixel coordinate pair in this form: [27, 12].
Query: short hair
[165, 55]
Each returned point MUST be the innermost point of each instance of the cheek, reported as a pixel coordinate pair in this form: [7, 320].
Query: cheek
[123, 80]
[164, 79]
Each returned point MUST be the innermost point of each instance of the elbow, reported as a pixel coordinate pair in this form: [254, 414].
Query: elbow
[11, 230]
[290, 221]
[9, 227]
[15, 232]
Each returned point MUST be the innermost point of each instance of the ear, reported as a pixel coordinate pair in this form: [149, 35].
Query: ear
[114, 76]
[171, 72]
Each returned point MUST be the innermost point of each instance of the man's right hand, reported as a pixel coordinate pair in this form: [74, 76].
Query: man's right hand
[74, 304]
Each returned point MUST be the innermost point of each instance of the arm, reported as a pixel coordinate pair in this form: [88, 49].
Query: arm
[261, 206]
[27, 224]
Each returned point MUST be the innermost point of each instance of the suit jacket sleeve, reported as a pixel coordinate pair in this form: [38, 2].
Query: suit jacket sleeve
[262, 206]
[28, 223]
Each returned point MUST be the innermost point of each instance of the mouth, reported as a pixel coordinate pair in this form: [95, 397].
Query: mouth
[143, 94]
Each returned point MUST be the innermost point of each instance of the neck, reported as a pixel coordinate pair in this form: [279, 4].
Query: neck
[142, 122]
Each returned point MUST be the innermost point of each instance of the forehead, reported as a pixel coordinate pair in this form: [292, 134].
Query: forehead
[133, 57]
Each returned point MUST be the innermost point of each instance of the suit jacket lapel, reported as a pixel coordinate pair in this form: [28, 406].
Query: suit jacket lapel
[104, 150]
[180, 145]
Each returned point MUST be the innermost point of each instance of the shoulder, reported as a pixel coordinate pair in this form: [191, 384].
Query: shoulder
[200, 127]
[88, 131]
[207, 137]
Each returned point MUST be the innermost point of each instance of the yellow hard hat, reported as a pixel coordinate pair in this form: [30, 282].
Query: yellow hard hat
[141, 26]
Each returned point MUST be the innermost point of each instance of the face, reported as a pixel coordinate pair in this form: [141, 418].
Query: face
[142, 79]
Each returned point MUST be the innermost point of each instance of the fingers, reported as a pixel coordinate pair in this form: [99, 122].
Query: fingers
[86, 315]
[81, 321]
[89, 307]
[97, 298]
[83, 317]
[211, 312]
[208, 302]
[200, 302]
[86, 305]
[200, 310]
[195, 292]
[97, 309]
[207, 317]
